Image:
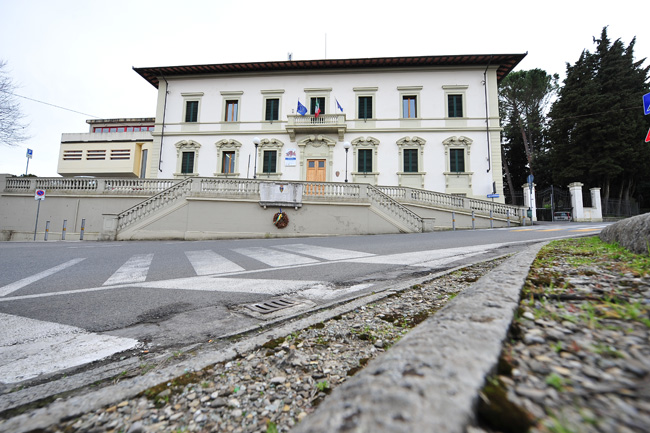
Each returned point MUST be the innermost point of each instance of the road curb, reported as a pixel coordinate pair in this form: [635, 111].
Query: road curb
[430, 380]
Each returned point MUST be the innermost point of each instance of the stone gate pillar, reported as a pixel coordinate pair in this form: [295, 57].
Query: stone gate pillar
[597, 211]
[529, 199]
[578, 213]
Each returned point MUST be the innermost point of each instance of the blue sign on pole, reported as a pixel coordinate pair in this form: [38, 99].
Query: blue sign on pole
[646, 104]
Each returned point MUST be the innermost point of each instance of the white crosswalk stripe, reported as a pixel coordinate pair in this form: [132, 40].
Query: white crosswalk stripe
[10, 288]
[30, 347]
[274, 257]
[133, 271]
[207, 262]
[325, 253]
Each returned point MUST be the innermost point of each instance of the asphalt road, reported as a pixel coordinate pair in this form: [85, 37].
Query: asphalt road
[63, 304]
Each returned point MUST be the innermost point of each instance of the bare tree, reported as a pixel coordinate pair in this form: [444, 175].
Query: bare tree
[12, 128]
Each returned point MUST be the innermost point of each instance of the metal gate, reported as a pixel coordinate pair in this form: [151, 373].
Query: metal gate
[552, 200]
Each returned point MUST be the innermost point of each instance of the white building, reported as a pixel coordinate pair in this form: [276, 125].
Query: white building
[428, 122]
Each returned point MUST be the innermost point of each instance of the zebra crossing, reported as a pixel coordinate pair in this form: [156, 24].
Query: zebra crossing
[135, 270]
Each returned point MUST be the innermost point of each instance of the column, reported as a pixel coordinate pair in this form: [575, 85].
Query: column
[578, 213]
[597, 212]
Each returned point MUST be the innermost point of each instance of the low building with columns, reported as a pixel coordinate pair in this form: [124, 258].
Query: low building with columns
[428, 122]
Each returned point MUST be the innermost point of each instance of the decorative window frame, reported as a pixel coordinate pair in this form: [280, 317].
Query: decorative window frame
[231, 96]
[272, 94]
[411, 178]
[368, 92]
[320, 92]
[269, 144]
[455, 90]
[191, 97]
[410, 91]
[226, 145]
[187, 146]
[464, 143]
[367, 143]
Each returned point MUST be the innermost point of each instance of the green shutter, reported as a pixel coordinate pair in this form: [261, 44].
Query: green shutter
[365, 107]
[410, 160]
[457, 160]
[455, 104]
[192, 111]
[364, 161]
[187, 162]
[272, 109]
[269, 161]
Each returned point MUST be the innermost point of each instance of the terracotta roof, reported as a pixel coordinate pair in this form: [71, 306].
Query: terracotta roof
[506, 63]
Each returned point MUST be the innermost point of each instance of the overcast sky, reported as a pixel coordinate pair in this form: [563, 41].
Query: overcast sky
[79, 54]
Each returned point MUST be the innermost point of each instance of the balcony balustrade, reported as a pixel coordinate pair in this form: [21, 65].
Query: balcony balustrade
[323, 124]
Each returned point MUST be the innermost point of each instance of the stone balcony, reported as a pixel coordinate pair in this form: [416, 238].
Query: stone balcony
[323, 124]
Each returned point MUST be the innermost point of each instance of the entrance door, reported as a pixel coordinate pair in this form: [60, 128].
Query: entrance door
[315, 173]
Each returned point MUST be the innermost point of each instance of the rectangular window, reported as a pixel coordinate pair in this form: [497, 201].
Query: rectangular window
[228, 162]
[410, 160]
[270, 158]
[187, 163]
[272, 109]
[192, 111]
[408, 107]
[365, 107]
[321, 105]
[456, 160]
[232, 111]
[455, 105]
[364, 163]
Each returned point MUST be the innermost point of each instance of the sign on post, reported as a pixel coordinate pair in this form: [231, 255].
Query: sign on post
[40, 194]
[30, 153]
[646, 104]
[493, 196]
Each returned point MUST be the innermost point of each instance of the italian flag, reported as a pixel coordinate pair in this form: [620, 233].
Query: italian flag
[317, 110]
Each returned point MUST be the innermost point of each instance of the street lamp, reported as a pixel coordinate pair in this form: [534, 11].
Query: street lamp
[256, 140]
[346, 146]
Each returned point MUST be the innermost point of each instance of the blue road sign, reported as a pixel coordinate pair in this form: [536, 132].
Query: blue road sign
[30, 152]
[493, 196]
[646, 104]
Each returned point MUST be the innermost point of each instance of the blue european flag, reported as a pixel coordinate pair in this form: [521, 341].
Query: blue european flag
[302, 110]
[338, 105]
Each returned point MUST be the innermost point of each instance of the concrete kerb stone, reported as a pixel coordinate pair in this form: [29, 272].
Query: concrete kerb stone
[430, 380]
[464, 361]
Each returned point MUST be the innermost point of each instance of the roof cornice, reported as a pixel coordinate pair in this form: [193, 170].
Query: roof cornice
[504, 63]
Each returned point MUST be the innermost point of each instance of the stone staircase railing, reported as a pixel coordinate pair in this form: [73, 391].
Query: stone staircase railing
[155, 203]
[436, 199]
[395, 210]
[88, 185]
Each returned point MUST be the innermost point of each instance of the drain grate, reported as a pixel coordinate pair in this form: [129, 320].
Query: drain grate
[267, 307]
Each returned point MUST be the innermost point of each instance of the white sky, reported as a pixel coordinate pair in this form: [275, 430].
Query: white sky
[79, 54]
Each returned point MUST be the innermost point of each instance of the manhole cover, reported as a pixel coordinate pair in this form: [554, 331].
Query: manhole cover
[270, 306]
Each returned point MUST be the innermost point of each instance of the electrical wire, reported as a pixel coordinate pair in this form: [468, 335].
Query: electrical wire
[51, 105]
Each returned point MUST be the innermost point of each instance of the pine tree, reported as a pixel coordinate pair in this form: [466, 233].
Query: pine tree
[597, 124]
[523, 98]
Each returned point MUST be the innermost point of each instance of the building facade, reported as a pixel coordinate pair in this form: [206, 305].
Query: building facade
[429, 122]
[111, 148]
